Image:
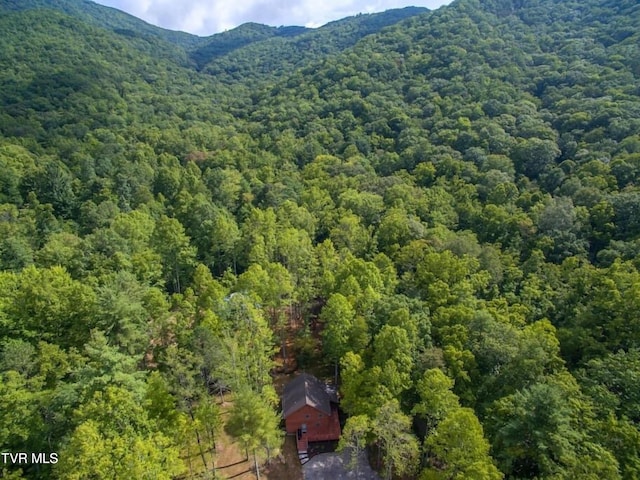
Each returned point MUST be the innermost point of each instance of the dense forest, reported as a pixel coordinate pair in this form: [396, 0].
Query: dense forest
[440, 207]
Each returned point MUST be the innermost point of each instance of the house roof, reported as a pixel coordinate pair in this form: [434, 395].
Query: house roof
[305, 390]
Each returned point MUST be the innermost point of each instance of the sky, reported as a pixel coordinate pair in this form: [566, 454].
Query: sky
[206, 17]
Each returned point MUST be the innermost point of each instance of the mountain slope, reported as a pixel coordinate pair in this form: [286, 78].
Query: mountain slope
[105, 17]
[80, 77]
[444, 210]
[226, 42]
[283, 52]
[468, 62]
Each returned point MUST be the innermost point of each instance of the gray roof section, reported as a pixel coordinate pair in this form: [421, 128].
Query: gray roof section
[305, 390]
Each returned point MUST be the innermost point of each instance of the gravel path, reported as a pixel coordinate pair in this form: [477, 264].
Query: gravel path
[335, 466]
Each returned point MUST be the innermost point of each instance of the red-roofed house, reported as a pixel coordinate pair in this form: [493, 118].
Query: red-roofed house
[310, 412]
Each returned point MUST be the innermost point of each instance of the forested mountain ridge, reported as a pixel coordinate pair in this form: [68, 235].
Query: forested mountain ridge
[101, 16]
[239, 37]
[445, 210]
[286, 49]
[204, 51]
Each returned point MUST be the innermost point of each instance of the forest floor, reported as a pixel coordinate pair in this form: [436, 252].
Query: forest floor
[231, 461]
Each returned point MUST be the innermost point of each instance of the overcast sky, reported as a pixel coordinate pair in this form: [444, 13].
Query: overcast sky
[206, 17]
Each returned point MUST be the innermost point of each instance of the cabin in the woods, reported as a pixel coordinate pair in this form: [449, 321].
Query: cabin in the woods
[310, 410]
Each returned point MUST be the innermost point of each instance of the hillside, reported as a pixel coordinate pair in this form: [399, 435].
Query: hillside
[286, 49]
[249, 33]
[440, 207]
[105, 17]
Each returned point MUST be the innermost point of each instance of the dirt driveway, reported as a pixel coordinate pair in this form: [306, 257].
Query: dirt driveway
[336, 467]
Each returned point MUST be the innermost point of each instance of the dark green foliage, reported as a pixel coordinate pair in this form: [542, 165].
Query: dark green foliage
[438, 208]
[254, 53]
[112, 19]
[246, 34]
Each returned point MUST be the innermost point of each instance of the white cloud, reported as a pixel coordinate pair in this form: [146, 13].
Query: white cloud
[205, 17]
